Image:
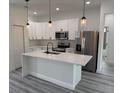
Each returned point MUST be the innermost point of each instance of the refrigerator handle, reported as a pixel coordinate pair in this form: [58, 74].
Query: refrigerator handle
[83, 42]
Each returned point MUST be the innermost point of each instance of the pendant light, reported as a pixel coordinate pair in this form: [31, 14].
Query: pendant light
[27, 12]
[50, 22]
[83, 19]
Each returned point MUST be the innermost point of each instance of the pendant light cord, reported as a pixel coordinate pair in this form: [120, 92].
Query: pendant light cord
[49, 10]
[27, 12]
[27, 8]
[84, 9]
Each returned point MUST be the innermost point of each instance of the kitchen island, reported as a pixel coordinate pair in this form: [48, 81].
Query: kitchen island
[63, 69]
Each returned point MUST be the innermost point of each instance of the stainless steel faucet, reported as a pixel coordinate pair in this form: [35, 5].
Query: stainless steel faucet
[48, 45]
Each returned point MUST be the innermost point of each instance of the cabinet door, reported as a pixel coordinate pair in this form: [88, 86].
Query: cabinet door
[38, 28]
[73, 28]
[32, 30]
[46, 31]
[61, 25]
[42, 30]
[50, 31]
[30, 35]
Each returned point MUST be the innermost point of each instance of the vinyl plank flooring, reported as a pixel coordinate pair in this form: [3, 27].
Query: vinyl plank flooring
[90, 83]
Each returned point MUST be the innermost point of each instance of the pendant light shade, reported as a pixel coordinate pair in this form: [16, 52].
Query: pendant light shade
[83, 19]
[27, 12]
[27, 24]
[50, 22]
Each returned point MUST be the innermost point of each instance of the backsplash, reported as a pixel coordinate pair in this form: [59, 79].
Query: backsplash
[55, 42]
[34, 43]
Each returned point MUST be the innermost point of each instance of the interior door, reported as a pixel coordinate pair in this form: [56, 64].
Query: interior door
[18, 47]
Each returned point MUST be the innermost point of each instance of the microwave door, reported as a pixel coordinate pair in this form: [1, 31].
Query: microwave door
[57, 35]
[61, 35]
[66, 35]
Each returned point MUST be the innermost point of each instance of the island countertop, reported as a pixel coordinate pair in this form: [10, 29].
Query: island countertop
[62, 57]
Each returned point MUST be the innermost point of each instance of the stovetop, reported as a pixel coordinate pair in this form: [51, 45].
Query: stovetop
[59, 49]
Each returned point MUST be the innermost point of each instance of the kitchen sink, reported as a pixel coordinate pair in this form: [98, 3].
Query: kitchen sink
[47, 52]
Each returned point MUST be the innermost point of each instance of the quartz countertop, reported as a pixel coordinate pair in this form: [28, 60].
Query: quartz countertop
[71, 58]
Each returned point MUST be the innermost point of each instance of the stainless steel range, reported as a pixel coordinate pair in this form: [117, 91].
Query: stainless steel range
[62, 45]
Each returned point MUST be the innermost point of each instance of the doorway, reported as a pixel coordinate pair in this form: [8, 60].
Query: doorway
[17, 46]
[108, 46]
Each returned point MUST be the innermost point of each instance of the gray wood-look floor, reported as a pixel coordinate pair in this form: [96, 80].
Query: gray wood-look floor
[90, 83]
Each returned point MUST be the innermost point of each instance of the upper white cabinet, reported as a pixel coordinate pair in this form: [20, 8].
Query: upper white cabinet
[61, 25]
[72, 28]
[32, 30]
[50, 31]
[38, 30]
[43, 31]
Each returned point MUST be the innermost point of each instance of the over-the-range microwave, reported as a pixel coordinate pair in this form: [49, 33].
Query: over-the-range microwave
[61, 35]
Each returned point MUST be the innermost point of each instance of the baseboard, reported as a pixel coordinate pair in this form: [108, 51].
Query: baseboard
[57, 82]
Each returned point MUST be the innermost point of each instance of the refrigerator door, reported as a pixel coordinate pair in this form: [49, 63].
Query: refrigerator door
[89, 42]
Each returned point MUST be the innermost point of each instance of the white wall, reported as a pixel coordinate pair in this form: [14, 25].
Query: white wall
[107, 6]
[92, 14]
[17, 17]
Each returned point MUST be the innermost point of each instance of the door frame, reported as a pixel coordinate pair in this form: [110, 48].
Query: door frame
[101, 37]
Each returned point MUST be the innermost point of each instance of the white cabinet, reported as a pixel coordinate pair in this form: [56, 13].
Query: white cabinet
[70, 25]
[32, 30]
[43, 31]
[72, 28]
[30, 33]
[46, 32]
[61, 25]
[38, 30]
[50, 31]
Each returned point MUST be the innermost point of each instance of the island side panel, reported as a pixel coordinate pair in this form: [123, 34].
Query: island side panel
[60, 73]
[25, 65]
[76, 74]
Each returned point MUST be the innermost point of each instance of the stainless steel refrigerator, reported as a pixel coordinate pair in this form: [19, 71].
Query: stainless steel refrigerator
[89, 46]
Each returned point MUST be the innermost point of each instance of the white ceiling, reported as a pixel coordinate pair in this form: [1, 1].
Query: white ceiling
[66, 6]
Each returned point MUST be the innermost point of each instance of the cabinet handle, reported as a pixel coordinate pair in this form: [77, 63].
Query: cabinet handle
[83, 42]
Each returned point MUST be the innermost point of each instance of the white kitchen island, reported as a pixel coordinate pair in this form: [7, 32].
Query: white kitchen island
[63, 69]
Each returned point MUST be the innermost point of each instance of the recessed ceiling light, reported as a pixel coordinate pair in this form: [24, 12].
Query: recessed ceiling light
[57, 9]
[88, 2]
[35, 13]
